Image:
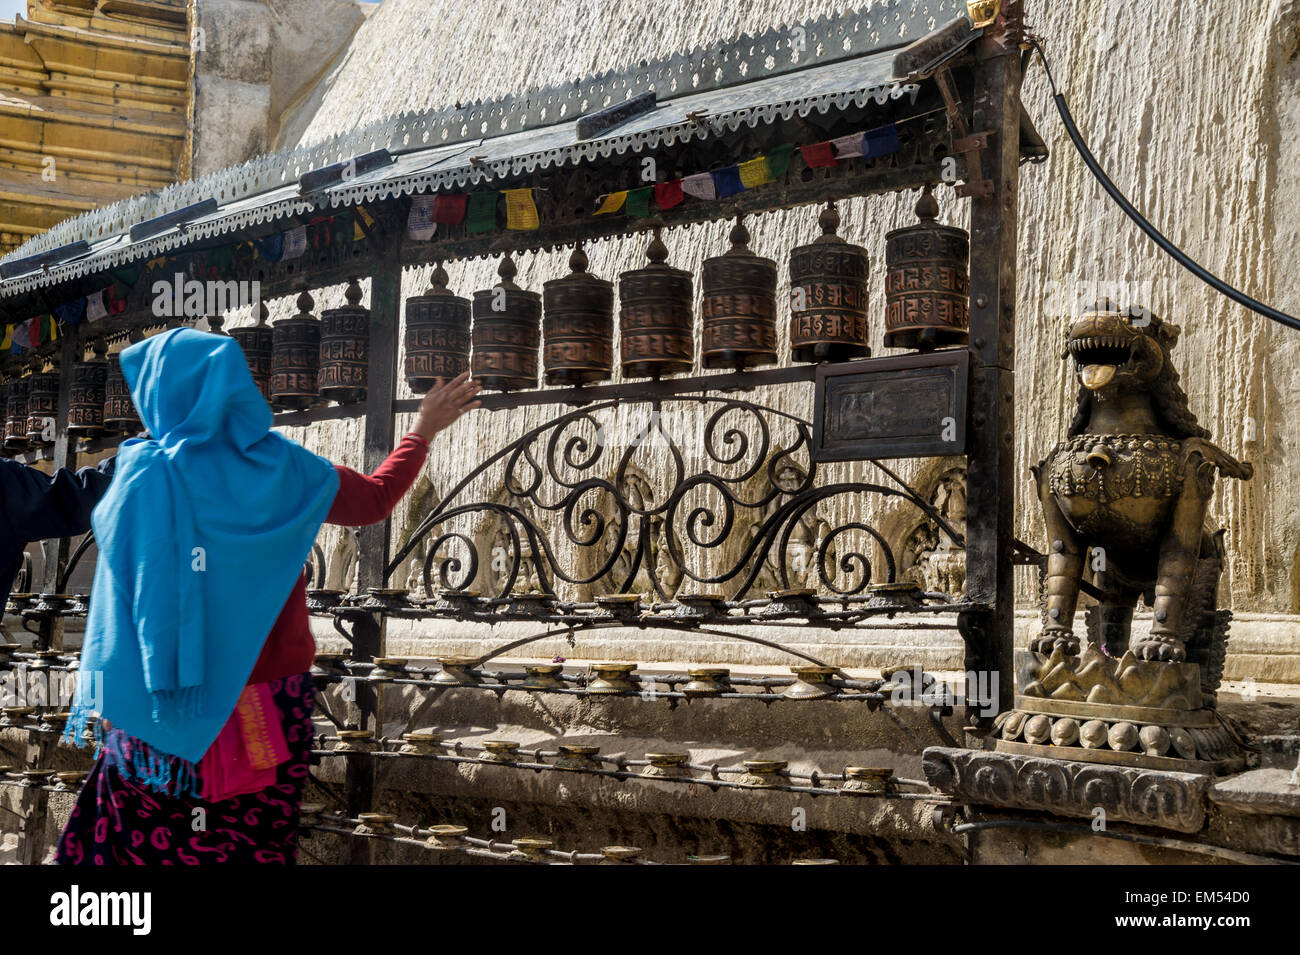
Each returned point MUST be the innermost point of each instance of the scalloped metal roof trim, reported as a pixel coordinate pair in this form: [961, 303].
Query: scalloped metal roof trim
[459, 175]
[738, 60]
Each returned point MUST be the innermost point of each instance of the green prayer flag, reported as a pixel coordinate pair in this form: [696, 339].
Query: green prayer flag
[778, 160]
[482, 213]
[638, 201]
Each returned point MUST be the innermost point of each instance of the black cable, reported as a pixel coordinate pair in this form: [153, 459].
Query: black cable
[1152, 232]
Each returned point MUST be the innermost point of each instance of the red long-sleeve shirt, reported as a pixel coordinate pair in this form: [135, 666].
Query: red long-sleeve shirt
[360, 500]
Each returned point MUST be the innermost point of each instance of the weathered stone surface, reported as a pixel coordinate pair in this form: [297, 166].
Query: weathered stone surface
[1167, 800]
[1268, 791]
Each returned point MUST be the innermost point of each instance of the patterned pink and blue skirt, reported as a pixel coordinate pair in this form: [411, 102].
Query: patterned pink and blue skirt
[117, 821]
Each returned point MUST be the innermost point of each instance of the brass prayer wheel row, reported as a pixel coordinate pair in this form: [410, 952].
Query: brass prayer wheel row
[497, 337]
[302, 360]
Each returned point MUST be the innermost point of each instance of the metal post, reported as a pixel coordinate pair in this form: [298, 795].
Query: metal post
[991, 477]
[63, 455]
[374, 542]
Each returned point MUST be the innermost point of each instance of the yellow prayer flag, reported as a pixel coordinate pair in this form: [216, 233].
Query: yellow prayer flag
[754, 172]
[521, 212]
[358, 233]
[613, 202]
[8, 339]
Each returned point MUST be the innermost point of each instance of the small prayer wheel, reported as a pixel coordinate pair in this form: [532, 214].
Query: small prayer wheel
[927, 282]
[256, 342]
[344, 349]
[739, 314]
[120, 416]
[506, 333]
[295, 358]
[15, 411]
[656, 317]
[828, 296]
[42, 408]
[578, 326]
[437, 335]
[86, 404]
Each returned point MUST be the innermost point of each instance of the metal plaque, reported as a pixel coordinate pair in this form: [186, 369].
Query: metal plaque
[908, 407]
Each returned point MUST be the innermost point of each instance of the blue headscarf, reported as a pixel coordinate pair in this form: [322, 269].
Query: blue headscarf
[201, 537]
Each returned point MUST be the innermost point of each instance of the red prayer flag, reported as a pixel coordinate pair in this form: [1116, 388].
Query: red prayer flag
[668, 194]
[450, 210]
[818, 155]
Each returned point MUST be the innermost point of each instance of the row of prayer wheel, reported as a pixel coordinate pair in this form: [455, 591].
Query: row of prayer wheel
[99, 403]
[497, 335]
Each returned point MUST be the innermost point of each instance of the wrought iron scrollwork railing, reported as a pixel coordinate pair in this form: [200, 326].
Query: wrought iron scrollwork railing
[740, 511]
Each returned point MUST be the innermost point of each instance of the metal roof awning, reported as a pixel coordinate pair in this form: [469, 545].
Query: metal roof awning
[826, 65]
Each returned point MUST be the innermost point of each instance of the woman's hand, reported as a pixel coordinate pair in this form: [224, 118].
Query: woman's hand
[444, 404]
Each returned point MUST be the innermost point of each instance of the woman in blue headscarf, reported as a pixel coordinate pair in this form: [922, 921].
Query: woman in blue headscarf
[197, 643]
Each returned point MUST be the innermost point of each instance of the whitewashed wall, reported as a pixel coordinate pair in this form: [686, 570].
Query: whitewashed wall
[1195, 112]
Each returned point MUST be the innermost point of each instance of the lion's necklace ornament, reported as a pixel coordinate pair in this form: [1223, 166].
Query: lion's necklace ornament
[1124, 500]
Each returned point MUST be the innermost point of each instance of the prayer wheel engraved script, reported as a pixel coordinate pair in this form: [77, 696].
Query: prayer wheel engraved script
[927, 282]
[15, 438]
[506, 333]
[295, 358]
[578, 326]
[656, 317]
[120, 415]
[739, 313]
[828, 297]
[437, 335]
[42, 408]
[344, 349]
[256, 342]
[86, 403]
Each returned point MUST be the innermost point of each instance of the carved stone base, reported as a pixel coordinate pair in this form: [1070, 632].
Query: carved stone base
[1146, 797]
[1121, 712]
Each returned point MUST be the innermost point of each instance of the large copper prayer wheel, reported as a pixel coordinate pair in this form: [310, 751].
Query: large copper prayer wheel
[120, 416]
[42, 408]
[295, 358]
[828, 296]
[578, 326]
[15, 423]
[927, 282]
[86, 403]
[256, 342]
[437, 335]
[739, 315]
[506, 333]
[656, 317]
[344, 347]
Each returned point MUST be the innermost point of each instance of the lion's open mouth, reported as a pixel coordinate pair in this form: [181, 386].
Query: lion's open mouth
[1099, 357]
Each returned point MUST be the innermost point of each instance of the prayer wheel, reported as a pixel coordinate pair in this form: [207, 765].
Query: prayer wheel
[15, 423]
[656, 317]
[86, 404]
[344, 349]
[739, 315]
[42, 408]
[506, 333]
[578, 327]
[927, 282]
[256, 342]
[295, 358]
[828, 296]
[437, 335]
[120, 416]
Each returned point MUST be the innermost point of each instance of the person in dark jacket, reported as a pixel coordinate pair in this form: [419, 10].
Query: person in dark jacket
[36, 506]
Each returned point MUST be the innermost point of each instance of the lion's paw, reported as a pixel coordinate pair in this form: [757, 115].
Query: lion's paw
[1050, 641]
[1160, 649]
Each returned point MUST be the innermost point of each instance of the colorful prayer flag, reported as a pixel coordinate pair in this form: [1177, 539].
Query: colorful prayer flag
[848, 147]
[521, 211]
[358, 232]
[7, 339]
[638, 201]
[71, 313]
[700, 186]
[95, 307]
[669, 194]
[727, 182]
[450, 209]
[295, 243]
[271, 248]
[612, 203]
[880, 142]
[778, 161]
[420, 224]
[818, 155]
[482, 213]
